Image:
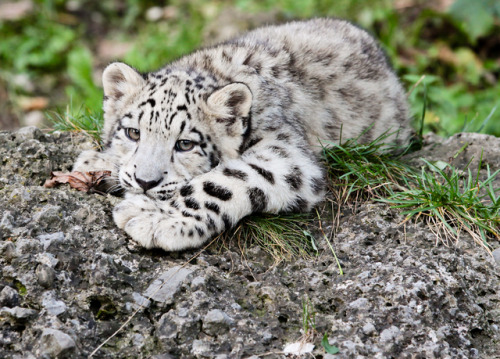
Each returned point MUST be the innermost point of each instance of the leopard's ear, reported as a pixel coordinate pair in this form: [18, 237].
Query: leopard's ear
[233, 100]
[119, 80]
[228, 111]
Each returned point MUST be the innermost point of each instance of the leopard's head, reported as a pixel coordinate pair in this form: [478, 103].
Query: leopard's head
[166, 127]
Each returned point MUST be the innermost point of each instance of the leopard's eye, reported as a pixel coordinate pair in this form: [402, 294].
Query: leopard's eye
[133, 134]
[184, 145]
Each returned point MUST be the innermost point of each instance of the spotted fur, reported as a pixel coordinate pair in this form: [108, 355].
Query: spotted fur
[236, 128]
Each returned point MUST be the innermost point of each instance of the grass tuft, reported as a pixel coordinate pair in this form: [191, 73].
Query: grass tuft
[78, 120]
[283, 237]
[368, 170]
[452, 203]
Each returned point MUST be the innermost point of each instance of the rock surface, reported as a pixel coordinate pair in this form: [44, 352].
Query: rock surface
[70, 279]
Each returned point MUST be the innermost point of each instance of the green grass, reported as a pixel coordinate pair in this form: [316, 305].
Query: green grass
[78, 120]
[357, 170]
[452, 203]
[282, 237]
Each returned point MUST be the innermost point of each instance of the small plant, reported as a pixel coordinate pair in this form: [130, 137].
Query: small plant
[309, 328]
[78, 120]
[451, 203]
[308, 320]
[283, 237]
[359, 170]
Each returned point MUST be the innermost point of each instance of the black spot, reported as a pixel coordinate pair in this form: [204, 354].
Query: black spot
[235, 173]
[253, 142]
[195, 130]
[213, 160]
[211, 223]
[200, 231]
[283, 137]
[228, 223]
[174, 204]
[279, 151]
[191, 233]
[264, 173]
[182, 108]
[318, 184]
[183, 124]
[186, 190]
[294, 179]
[151, 102]
[247, 60]
[298, 205]
[236, 98]
[186, 214]
[172, 116]
[212, 206]
[216, 191]
[258, 199]
[191, 203]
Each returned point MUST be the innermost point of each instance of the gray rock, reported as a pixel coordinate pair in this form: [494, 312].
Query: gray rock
[56, 344]
[52, 305]
[65, 267]
[216, 322]
[18, 314]
[47, 239]
[45, 275]
[168, 284]
[28, 133]
[202, 349]
[9, 297]
[496, 255]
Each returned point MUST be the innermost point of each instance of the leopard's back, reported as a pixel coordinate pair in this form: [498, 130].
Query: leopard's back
[328, 77]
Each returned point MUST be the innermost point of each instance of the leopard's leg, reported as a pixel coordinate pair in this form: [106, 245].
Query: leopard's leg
[269, 177]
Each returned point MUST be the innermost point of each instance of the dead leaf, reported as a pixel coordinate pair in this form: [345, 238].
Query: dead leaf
[33, 103]
[82, 181]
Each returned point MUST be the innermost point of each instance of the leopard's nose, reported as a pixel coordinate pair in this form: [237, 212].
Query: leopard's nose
[146, 185]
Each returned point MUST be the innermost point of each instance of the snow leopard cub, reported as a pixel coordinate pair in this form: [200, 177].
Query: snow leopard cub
[236, 128]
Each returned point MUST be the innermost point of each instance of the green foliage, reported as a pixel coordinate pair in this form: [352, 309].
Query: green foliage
[308, 317]
[330, 349]
[29, 49]
[476, 18]
[452, 109]
[83, 88]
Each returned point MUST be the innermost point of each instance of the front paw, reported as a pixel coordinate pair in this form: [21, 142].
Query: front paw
[150, 226]
[138, 216]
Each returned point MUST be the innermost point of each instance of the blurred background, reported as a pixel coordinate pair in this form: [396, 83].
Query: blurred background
[52, 52]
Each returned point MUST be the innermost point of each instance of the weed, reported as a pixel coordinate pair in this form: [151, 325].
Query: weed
[283, 237]
[308, 320]
[451, 203]
[356, 170]
[77, 120]
[309, 332]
